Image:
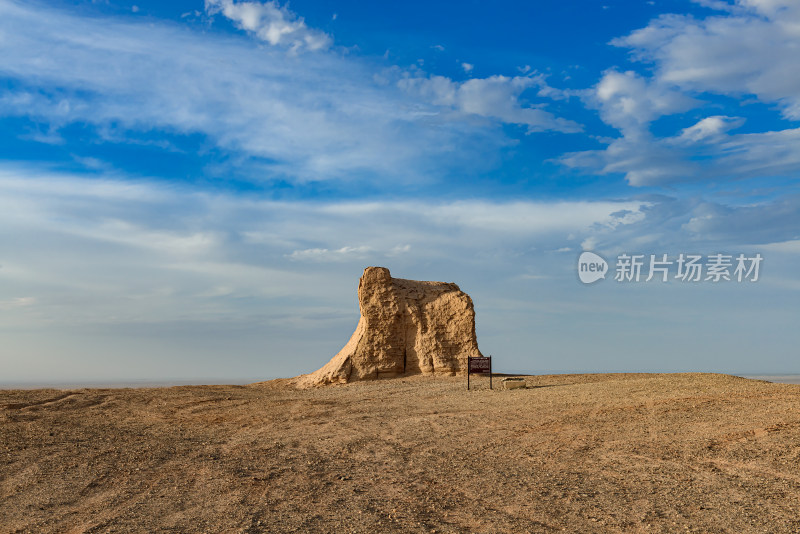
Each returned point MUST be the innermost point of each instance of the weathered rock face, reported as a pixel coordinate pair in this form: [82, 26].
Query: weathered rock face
[406, 327]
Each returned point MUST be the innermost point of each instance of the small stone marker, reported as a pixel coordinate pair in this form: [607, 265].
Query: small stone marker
[514, 383]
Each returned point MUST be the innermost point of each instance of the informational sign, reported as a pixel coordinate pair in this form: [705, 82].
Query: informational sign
[479, 366]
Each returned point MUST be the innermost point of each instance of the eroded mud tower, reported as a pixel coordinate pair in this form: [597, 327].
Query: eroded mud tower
[406, 327]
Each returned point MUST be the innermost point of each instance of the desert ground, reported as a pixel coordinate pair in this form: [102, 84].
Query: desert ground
[574, 453]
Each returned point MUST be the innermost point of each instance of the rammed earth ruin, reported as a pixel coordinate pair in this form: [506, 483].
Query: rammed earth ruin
[406, 327]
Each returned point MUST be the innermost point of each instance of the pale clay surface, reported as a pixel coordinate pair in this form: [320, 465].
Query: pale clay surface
[406, 327]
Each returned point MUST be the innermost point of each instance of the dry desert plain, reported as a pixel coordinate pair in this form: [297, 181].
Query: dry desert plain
[575, 453]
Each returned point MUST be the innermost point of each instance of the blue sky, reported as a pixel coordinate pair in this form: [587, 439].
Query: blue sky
[192, 189]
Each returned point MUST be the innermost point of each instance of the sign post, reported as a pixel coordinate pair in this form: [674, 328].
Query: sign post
[479, 366]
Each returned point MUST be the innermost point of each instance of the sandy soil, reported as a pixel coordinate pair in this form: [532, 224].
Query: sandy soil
[575, 453]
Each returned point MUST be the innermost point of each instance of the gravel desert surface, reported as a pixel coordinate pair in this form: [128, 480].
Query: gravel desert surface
[575, 453]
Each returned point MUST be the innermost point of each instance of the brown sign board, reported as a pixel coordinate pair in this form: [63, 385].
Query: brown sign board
[480, 366]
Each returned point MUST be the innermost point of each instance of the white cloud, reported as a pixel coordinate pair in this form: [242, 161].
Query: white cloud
[139, 251]
[18, 302]
[630, 102]
[643, 161]
[747, 50]
[710, 127]
[325, 255]
[495, 97]
[755, 224]
[792, 246]
[277, 115]
[271, 23]
[527, 218]
[750, 51]
[719, 5]
[398, 250]
[701, 152]
[467, 67]
[590, 243]
[774, 153]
